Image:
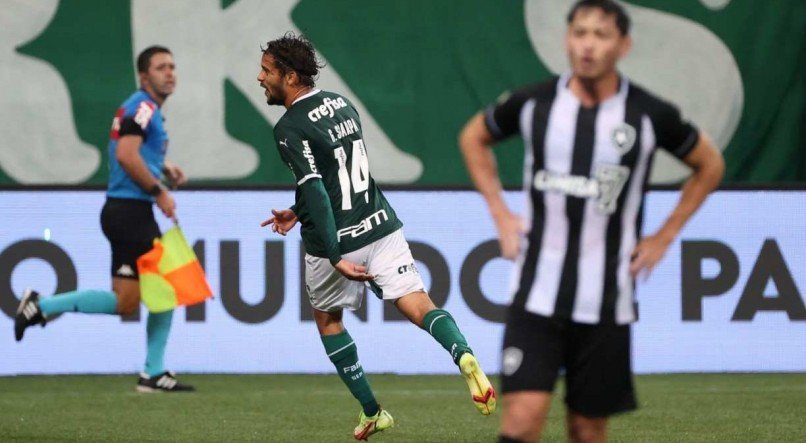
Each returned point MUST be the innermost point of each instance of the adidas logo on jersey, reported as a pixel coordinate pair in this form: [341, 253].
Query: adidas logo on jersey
[125, 271]
[327, 108]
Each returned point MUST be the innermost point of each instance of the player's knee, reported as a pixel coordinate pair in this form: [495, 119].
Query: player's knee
[328, 323]
[128, 304]
[126, 307]
[415, 306]
[522, 422]
[586, 430]
[128, 294]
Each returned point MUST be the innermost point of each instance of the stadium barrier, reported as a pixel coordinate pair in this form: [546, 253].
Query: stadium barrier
[728, 296]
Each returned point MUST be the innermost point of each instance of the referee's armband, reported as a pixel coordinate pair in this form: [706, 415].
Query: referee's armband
[130, 127]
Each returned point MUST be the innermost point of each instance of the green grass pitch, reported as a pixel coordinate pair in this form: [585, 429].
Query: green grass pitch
[317, 408]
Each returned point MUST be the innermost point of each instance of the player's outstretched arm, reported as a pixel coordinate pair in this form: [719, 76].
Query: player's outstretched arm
[475, 142]
[709, 167]
[282, 221]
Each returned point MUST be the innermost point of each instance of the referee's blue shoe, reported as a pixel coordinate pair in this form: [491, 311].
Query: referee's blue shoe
[28, 313]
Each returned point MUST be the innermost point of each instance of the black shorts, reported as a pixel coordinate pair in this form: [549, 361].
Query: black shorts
[596, 360]
[130, 227]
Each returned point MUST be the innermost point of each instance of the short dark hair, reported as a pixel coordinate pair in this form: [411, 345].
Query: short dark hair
[144, 59]
[293, 52]
[609, 7]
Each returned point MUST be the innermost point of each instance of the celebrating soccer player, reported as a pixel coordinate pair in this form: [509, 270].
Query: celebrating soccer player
[351, 234]
[137, 147]
[589, 137]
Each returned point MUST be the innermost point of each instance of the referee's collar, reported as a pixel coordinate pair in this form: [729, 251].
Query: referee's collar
[150, 97]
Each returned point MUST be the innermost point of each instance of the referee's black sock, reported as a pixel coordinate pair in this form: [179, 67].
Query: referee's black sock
[505, 439]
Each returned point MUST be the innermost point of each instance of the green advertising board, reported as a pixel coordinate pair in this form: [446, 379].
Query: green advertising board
[416, 69]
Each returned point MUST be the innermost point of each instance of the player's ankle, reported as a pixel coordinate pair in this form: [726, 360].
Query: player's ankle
[461, 353]
[371, 409]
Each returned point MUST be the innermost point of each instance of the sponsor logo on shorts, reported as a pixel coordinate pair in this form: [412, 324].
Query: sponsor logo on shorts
[125, 271]
[365, 226]
[407, 268]
[513, 357]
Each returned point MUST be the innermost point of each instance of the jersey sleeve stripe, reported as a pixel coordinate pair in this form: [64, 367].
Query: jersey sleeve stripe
[492, 126]
[308, 177]
[688, 145]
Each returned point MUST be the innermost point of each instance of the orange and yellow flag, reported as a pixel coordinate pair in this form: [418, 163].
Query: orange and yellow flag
[171, 275]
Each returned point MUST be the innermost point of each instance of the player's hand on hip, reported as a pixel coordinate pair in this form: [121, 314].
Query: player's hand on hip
[353, 271]
[281, 221]
[510, 229]
[166, 203]
[176, 177]
[647, 254]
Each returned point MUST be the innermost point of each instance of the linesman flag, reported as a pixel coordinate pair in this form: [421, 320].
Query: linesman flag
[171, 275]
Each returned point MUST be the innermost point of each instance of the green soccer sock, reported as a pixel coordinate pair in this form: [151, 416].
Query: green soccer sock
[442, 327]
[158, 326]
[89, 301]
[343, 353]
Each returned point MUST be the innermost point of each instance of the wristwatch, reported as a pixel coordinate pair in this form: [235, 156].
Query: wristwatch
[155, 190]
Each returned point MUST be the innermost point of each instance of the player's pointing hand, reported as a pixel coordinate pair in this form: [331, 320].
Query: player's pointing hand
[282, 221]
[353, 271]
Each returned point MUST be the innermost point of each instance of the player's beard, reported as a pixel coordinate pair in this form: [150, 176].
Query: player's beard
[160, 89]
[274, 99]
[165, 90]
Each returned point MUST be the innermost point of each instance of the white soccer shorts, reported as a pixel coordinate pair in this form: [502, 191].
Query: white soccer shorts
[388, 259]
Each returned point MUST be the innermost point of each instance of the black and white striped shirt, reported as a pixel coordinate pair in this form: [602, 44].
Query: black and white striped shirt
[585, 170]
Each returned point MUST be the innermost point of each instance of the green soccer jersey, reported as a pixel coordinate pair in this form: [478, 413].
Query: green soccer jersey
[319, 137]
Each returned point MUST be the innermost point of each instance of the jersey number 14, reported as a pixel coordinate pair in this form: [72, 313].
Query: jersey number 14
[358, 175]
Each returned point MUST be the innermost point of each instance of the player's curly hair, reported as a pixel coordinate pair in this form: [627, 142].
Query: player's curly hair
[294, 52]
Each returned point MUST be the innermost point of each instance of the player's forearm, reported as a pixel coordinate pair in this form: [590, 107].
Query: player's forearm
[705, 179]
[318, 204]
[483, 169]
